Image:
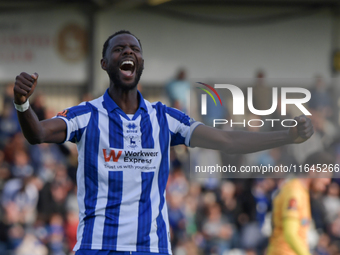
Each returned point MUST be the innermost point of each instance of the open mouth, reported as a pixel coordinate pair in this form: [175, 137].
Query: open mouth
[127, 67]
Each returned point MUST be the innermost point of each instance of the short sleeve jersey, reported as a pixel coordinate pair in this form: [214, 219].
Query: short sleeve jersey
[292, 201]
[123, 167]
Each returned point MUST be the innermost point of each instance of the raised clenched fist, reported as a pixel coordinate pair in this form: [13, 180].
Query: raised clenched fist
[302, 131]
[24, 86]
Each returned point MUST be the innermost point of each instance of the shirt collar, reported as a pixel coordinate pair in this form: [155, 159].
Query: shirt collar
[111, 105]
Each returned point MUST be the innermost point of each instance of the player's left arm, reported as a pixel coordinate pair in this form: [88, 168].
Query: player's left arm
[239, 142]
[292, 205]
[291, 228]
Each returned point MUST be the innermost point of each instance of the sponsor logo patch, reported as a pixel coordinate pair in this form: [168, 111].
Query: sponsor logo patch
[63, 113]
[292, 204]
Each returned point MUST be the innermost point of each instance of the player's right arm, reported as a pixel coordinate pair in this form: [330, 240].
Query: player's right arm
[240, 142]
[35, 131]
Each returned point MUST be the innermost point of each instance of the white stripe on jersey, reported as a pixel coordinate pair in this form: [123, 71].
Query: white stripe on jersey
[154, 189]
[97, 236]
[76, 123]
[127, 234]
[80, 190]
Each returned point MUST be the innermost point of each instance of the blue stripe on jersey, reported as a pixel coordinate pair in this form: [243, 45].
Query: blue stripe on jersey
[110, 252]
[178, 115]
[77, 111]
[116, 137]
[76, 135]
[162, 175]
[146, 130]
[114, 200]
[91, 178]
[176, 138]
[144, 213]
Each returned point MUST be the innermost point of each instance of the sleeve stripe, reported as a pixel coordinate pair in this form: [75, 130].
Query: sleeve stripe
[67, 127]
[172, 123]
[193, 125]
[83, 120]
[75, 124]
[178, 115]
[78, 111]
[183, 129]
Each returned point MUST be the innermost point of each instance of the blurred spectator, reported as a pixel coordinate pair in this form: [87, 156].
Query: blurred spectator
[5, 172]
[40, 229]
[176, 217]
[187, 248]
[86, 97]
[190, 210]
[335, 229]
[331, 202]
[177, 181]
[38, 105]
[318, 211]
[21, 166]
[9, 96]
[262, 192]
[324, 127]
[259, 200]
[321, 99]
[208, 199]
[322, 246]
[262, 95]
[71, 226]
[324, 134]
[30, 245]
[17, 142]
[231, 208]
[20, 195]
[9, 124]
[217, 231]
[53, 195]
[44, 157]
[56, 235]
[179, 91]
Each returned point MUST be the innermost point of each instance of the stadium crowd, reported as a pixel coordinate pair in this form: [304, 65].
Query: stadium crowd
[39, 213]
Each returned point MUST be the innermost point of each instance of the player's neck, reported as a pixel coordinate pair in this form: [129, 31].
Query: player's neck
[127, 100]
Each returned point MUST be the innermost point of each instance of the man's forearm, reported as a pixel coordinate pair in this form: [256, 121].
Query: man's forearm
[35, 131]
[30, 126]
[239, 142]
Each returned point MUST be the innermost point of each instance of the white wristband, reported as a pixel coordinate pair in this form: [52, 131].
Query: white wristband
[22, 107]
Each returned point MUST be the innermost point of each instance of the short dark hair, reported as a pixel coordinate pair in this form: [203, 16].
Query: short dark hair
[106, 44]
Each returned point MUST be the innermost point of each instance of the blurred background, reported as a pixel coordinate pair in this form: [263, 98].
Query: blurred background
[250, 43]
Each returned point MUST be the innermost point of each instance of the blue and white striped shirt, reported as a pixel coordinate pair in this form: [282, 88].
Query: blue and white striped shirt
[123, 171]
